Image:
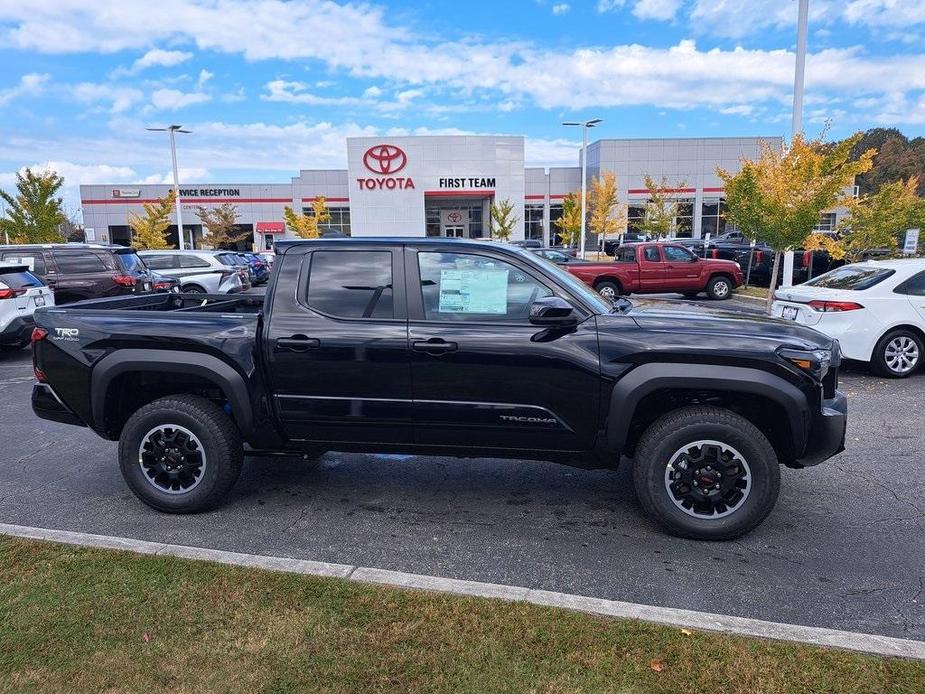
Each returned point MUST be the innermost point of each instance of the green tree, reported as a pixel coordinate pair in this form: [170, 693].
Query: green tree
[605, 215]
[898, 159]
[308, 226]
[503, 219]
[36, 212]
[777, 198]
[149, 231]
[876, 221]
[221, 225]
[569, 223]
[662, 207]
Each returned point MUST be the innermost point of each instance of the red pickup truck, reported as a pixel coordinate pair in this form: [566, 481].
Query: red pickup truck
[651, 268]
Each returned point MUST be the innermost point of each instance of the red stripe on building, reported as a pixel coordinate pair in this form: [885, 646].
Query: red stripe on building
[458, 193]
[327, 199]
[663, 190]
[139, 201]
[534, 197]
[714, 190]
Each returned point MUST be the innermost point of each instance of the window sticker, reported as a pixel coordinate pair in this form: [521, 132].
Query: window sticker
[473, 291]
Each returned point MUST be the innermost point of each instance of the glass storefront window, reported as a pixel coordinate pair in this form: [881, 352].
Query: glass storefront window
[635, 216]
[826, 223]
[555, 212]
[340, 218]
[713, 216]
[533, 222]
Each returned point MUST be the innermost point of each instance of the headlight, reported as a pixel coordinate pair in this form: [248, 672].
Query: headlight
[815, 362]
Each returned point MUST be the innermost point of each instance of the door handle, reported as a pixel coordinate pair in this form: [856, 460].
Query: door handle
[297, 343]
[434, 345]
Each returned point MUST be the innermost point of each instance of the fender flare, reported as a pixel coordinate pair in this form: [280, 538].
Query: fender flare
[649, 378]
[168, 361]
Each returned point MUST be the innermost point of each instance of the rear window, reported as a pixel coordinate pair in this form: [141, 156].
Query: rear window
[35, 261]
[228, 259]
[852, 277]
[18, 279]
[131, 262]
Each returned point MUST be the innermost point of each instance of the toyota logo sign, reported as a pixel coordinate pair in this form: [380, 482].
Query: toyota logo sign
[385, 159]
[454, 217]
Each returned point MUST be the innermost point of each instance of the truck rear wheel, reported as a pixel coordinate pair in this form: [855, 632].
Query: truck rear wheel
[706, 473]
[180, 454]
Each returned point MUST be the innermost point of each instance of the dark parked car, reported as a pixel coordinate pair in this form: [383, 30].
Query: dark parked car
[556, 256]
[611, 245]
[77, 271]
[259, 266]
[444, 347]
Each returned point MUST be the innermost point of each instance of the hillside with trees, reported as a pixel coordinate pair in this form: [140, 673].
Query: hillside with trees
[898, 159]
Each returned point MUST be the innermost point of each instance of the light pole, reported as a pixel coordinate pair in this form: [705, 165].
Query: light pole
[584, 125]
[800, 68]
[172, 129]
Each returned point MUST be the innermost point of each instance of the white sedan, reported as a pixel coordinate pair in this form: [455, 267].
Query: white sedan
[875, 309]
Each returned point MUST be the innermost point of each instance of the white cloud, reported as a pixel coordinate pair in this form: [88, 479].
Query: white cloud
[407, 96]
[119, 99]
[609, 5]
[173, 99]
[162, 58]
[196, 173]
[892, 13]
[372, 93]
[656, 9]
[561, 8]
[234, 97]
[74, 175]
[30, 84]
[204, 76]
[293, 92]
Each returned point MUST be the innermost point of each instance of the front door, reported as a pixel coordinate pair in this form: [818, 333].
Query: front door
[682, 269]
[337, 345]
[453, 232]
[483, 376]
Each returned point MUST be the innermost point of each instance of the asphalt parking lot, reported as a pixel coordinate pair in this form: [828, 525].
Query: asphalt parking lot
[844, 548]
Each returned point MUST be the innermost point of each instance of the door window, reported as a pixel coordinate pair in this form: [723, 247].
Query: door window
[35, 261]
[159, 262]
[651, 254]
[193, 261]
[351, 284]
[676, 254]
[915, 285]
[461, 286]
[79, 263]
[627, 255]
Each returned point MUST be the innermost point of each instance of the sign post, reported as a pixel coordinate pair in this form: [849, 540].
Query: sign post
[751, 254]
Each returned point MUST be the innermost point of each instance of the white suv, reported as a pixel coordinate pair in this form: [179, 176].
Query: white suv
[876, 311]
[199, 272]
[21, 293]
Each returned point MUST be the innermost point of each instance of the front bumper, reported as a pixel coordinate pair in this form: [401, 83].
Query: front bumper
[17, 331]
[827, 433]
[47, 405]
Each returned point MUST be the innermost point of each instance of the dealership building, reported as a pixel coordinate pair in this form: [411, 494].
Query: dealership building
[444, 186]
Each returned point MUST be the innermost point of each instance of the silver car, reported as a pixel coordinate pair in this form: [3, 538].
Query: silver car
[199, 272]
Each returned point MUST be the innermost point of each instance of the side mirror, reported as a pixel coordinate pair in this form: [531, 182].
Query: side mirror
[552, 310]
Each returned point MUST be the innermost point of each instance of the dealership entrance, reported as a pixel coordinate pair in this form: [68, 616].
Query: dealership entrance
[457, 218]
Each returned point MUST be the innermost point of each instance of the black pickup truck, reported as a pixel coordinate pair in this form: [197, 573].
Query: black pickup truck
[435, 346]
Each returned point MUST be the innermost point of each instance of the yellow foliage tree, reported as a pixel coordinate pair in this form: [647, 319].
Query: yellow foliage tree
[503, 219]
[662, 207]
[569, 223]
[777, 198]
[875, 221]
[149, 231]
[221, 225]
[308, 226]
[607, 215]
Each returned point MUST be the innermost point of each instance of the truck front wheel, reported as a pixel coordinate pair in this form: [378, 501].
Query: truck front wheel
[720, 287]
[180, 454]
[706, 473]
[608, 290]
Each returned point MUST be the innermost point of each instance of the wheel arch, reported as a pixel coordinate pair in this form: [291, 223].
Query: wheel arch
[113, 397]
[776, 407]
[186, 286]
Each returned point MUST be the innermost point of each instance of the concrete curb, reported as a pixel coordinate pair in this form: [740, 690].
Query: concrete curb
[818, 636]
[749, 297]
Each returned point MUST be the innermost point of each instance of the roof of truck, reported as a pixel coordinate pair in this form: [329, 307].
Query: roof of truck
[282, 246]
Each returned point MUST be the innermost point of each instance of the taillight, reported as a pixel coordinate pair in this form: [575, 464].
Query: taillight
[7, 293]
[806, 256]
[759, 256]
[714, 253]
[124, 280]
[37, 335]
[834, 306]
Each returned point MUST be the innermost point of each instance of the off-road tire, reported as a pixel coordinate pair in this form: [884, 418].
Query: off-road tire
[673, 431]
[220, 441]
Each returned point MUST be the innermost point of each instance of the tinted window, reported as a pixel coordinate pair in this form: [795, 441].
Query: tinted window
[651, 254]
[854, 277]
[159, 262]
[131, 262]
[915, 285]
[193, 261]
[35, 261]
[678, 254]
[351, 284]
[79, 262]
[458, 286]
[19, 280]
[228, 259]
[626, 255]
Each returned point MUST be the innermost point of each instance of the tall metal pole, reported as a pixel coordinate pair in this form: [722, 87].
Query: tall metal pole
[802, 25]
[176, 186]
[584, 186]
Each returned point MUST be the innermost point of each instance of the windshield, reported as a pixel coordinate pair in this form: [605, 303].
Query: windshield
[853, 277]
[131, 262]
[576, 286]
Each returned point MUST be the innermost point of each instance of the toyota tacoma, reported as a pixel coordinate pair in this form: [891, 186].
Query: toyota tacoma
[444, 347]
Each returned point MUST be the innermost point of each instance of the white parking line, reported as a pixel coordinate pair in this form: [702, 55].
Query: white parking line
[818, 636]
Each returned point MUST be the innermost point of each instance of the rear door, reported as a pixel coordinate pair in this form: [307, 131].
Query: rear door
[83, 274]
[337, 345]
[652, 270]
[483, 375]
[914, 289]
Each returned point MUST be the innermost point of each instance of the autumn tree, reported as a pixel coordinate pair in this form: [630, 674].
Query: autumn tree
[308, 226]
[662, 207]
[876, 221]
[149, 231]
[569, 223]
[221, 225]
[777, 198]
[503, 219]
[607, 215]
[35, 213]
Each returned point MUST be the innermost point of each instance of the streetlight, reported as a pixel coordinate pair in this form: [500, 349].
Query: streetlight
[172, 129]
[796, 124]
[584, 125]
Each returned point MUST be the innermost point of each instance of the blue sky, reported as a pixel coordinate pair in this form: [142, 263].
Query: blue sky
[269, 87]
